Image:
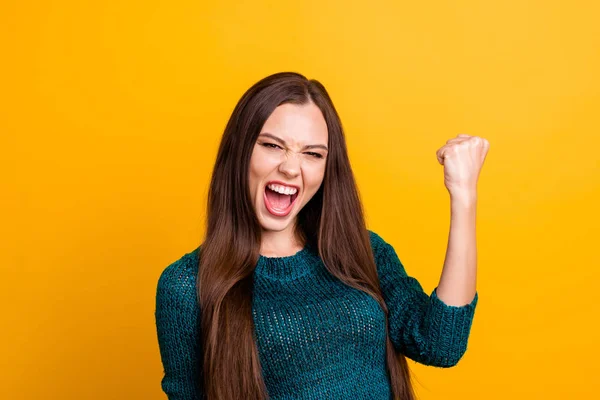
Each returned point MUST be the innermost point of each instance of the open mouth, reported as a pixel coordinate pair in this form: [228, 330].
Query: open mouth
[279, 204]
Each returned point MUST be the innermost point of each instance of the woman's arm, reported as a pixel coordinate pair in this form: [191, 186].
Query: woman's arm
[421, 326]
[457, 284]
[462, 158]
[177, 317]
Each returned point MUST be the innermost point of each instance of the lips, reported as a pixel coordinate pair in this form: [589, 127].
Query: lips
[273, 200]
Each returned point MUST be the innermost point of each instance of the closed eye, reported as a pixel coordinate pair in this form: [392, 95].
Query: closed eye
[270, 144]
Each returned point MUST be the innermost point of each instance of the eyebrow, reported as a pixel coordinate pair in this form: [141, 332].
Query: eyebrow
[308, 146]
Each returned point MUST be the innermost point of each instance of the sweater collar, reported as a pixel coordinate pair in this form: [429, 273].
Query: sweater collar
[305, 261]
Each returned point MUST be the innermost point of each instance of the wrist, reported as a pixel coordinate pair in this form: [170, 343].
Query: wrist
[466, 198]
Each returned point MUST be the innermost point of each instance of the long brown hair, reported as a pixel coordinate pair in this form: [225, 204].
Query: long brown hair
[332, 222]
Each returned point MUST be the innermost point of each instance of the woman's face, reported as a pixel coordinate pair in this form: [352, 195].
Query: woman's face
[291, 149]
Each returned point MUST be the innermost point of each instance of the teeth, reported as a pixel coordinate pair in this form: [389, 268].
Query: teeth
[282, 189]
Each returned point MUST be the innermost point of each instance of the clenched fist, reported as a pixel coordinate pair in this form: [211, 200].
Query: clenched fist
[462, 158]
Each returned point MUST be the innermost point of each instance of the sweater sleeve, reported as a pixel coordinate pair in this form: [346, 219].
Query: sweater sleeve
[421, 326]
[177, 317]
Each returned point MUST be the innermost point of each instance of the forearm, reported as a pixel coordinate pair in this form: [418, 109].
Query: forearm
[457, 285]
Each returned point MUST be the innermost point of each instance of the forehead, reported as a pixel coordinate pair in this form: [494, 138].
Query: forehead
[297, 124]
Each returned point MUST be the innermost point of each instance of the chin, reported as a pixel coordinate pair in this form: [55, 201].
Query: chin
[269, 224]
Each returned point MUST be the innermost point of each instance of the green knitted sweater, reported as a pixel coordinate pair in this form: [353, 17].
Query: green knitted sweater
[317, 337]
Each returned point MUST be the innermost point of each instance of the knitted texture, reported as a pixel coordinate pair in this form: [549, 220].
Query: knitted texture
[317, 337]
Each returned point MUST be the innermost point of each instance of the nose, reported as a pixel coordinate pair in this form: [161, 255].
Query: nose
[290, 166]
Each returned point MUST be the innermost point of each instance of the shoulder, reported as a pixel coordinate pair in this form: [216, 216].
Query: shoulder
[384, 253]
[177, 281]
[378, 244]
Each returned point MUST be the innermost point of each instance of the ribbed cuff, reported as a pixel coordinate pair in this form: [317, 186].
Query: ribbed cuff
[450, 328]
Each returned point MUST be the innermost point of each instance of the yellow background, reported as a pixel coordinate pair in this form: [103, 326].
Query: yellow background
[111, 113]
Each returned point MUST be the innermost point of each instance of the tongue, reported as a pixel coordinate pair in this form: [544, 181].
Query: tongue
[278, 200]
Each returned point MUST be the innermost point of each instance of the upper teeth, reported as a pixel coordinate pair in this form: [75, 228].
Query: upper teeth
[282, 189]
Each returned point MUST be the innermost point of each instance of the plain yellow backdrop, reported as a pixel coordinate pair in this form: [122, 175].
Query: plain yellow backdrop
[111, 113]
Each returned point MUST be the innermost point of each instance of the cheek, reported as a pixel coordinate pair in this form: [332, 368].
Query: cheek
[262, 164]
[313, 177]
[253, 180]
[259, 169]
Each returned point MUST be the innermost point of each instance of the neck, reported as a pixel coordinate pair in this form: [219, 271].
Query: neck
[280, 243]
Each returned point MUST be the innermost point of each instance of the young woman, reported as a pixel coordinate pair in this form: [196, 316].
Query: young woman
[290, 296]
